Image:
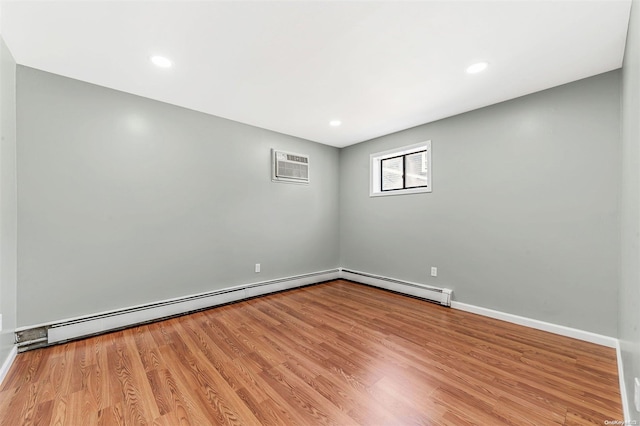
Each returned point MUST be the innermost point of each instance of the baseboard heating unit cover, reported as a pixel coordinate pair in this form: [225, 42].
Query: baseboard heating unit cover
[433, 294]
[41, 335]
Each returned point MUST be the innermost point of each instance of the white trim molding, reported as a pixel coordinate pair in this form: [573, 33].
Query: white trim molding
[39, 335]
[562, 330]
[8, 362]
[623, 387]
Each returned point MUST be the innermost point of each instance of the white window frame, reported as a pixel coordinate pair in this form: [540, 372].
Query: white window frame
[375, 160]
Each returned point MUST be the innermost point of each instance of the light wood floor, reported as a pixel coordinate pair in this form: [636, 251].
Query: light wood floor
[335, 353]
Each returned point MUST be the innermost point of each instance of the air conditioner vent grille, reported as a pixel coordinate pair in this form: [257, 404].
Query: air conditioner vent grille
[297, 158]
[288, 167]
[293, 170]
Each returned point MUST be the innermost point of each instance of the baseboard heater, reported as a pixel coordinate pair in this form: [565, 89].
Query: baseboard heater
[441, 296]
[42, 335]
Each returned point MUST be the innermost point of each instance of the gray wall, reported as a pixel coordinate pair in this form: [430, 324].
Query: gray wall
[123, 200]
[629, 320]
[523, 217]
[8, 206]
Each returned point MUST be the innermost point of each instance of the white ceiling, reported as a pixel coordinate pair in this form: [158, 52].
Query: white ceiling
[292, 66]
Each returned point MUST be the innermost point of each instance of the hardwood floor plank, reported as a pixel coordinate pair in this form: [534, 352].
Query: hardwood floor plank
[308, 403]
[106, 389]
[335, 353]
[159, 392]
[81, 409]
[196, 405]
[220, 401]
[121, 376]
[109, 416]
[43, 414]
[26, 369]
[281, 414]
[146, 346]
[359, 406]
[522, 413]
[246, 379]
[468, 406]
[403, 411]
[59, 414]
[177, 404]
[21, 405]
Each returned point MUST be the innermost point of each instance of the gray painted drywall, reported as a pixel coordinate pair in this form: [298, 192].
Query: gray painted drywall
[629, 319]
[524, 214]
[8, 200]
[123, 200]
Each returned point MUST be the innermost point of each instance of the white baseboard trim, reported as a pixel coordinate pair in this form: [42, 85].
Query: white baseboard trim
[562, 330]
[8, 362]
[74, 328]
[435, 294]
[623, 387]
[443, 296]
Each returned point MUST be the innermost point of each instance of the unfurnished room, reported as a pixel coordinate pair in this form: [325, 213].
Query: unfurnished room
[320, 212]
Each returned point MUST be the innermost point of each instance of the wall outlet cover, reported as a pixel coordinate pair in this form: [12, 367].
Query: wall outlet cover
[257, 267]
[434, 271]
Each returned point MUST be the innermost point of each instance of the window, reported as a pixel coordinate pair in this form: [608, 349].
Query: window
[405, 170]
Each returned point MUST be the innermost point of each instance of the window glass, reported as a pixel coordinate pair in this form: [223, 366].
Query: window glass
[392, 173]
[416, 173]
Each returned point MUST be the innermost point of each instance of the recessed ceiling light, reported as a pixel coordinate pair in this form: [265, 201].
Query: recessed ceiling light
[161, 61]
[476, 68]
[335, 123]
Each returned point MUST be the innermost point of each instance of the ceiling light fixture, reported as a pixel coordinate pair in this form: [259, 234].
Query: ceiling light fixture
[161, 61]
[476, 68]
[335, 123]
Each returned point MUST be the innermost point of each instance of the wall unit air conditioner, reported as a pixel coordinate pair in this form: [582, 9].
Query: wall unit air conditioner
[289, 167]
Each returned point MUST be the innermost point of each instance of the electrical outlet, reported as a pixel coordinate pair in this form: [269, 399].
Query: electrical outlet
[257, 267]
[434, 271]
[636, 393]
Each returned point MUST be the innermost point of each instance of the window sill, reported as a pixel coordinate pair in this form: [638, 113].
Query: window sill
[400, 192]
